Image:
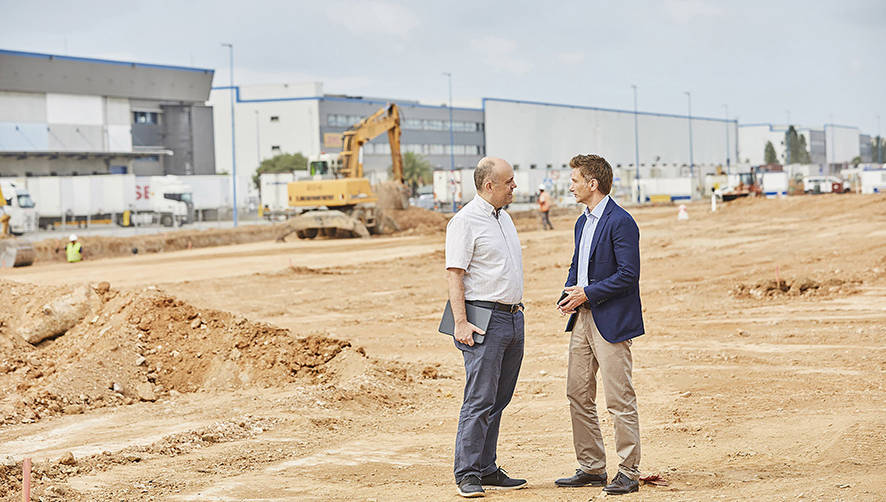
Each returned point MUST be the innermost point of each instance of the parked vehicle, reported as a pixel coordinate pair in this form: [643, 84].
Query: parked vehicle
[19, 206]
[824, 184]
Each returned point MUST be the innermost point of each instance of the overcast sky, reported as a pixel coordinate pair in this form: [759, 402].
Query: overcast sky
[816, 61]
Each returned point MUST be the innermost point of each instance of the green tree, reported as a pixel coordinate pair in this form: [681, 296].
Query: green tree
[417, 171]
[856, 161]
[878, 150]
[795, 147]
[804, 157]
[283, 163]
[769, 155]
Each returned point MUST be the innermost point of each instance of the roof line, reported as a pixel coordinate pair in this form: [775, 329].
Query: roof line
[339, 98]
[596, 108]
[103, 61]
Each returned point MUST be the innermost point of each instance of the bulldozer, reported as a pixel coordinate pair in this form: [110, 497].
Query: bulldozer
[339, 201]
[14, 252]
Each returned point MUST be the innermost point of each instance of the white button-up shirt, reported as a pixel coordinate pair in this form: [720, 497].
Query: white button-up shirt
[487, 248]
[587, 237]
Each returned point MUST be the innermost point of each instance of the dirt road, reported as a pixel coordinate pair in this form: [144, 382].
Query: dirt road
[762, 374]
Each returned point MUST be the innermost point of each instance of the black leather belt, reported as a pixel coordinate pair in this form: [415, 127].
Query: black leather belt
[504, 307]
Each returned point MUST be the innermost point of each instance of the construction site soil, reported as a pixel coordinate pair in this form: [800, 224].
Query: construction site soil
[312, 370]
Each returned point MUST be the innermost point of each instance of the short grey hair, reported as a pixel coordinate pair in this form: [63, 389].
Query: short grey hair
[483, 171]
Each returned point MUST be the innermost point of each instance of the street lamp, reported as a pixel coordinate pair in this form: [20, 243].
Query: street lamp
[726, 113]
[451, 138]
[691, 160]
[233, 136]
[636, 145]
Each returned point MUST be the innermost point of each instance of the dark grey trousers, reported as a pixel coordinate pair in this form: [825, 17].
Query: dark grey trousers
[491, 371]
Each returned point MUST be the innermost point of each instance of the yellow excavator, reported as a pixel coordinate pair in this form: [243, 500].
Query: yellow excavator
[339, 201]
[13, 252]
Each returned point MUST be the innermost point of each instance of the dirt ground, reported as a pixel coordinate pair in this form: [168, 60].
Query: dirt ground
[312, 370]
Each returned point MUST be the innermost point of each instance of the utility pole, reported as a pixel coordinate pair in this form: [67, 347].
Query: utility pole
[636, 145]
[451, 140]
[257, 141]
[691, 160]
[233, 136]
[726, 112]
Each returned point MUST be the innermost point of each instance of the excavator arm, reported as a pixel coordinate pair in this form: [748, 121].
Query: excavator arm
[385, 120]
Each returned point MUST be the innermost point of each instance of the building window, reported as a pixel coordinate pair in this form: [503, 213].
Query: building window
[275, 118]
[275, 148]
[145, 117]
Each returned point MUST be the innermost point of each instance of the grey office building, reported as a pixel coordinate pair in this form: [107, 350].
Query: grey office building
[62, 115]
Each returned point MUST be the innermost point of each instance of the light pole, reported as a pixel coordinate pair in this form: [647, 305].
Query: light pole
[257, 141]
[726, 113]
[451, 138]
[233, 136]
[636, 144]
[691, 160]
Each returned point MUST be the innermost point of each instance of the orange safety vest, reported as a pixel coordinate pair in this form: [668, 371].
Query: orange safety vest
[544, 202]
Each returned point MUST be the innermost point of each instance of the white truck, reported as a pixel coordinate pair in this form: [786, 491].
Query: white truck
[20, 208]
[124, 199]
[457, 186]
[162, 199]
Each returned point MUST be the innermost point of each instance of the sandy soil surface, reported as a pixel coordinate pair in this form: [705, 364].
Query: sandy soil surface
[313, 370]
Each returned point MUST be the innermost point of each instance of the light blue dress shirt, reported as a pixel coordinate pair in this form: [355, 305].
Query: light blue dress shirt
[587, 237]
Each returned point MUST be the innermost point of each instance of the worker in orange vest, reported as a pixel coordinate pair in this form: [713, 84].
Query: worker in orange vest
[544, 208]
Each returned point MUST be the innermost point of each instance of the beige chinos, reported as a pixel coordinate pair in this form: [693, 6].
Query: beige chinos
[588, 352]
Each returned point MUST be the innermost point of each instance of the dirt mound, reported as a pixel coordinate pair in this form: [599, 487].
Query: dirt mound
[796, 287]
[142, 345]
[50, 250]
[391, 195]
[418, 220]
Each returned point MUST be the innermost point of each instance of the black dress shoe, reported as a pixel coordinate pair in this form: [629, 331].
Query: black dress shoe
[499, 480]
[621, 484]
[469, 487]
[582, 478]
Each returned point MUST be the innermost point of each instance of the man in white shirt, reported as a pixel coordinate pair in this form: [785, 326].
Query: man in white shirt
[484, 266]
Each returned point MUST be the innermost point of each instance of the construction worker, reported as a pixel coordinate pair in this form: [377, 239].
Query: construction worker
[544, 208]
[73, 250]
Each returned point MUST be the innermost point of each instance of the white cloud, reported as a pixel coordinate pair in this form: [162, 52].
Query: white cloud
[373, 17]
[501, 54]
[684, 11]
[573, 57]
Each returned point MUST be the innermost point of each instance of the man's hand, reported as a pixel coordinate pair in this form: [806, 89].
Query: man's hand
[575, 296]
[464, 332]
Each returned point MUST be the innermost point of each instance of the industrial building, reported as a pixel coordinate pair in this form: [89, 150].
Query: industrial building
[63, 115]
[299, 118]
[835, 145]
[536, 135]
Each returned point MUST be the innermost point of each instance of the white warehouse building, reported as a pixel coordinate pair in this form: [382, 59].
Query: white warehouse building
[272, 119]
[535, 135]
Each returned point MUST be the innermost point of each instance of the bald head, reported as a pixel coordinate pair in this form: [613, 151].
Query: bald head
[494, 179]
[486, 171]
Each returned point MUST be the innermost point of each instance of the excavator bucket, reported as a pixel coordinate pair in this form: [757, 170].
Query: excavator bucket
[326, 223]
[16, 253]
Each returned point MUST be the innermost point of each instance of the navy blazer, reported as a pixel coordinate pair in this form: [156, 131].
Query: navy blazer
[613, 288]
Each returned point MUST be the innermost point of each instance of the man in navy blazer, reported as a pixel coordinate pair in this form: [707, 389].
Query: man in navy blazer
[602, 298]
